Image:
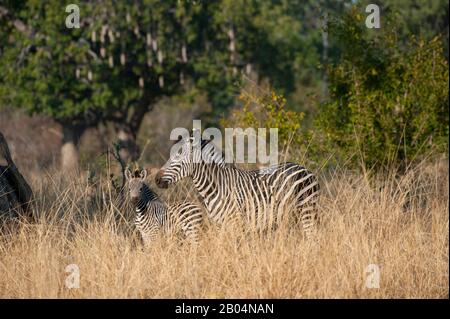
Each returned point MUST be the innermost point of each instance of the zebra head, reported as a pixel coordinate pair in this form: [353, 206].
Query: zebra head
[180, 163]
[136, 184]
[185, 155]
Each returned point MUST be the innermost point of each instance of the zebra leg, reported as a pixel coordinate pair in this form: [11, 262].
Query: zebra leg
[308, 220]
[149, 236]
[189, 219]
[147, 240]
[192, 234]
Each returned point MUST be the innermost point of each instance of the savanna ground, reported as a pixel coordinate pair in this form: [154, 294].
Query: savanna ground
[399, 223]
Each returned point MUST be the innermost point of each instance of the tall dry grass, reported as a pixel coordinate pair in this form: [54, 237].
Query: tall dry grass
[399, 223]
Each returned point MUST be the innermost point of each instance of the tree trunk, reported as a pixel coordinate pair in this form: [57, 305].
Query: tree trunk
[325, 53]
[69, 150]
[10, 178]
[127, 127]
[129, 150]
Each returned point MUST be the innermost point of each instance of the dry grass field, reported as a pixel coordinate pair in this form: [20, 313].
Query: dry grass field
[399, 223]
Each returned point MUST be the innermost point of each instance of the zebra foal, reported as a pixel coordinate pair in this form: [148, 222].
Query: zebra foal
[154, 217]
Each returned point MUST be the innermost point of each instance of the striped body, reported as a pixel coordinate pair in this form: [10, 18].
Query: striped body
[155, 218]
[262, 197]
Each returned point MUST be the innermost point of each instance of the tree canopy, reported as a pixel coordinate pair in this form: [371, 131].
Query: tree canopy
[128, 55]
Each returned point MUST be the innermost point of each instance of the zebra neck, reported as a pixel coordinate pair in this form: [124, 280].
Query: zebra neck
[147, 197]
[211, 155]
[141, 206]
[207, 180]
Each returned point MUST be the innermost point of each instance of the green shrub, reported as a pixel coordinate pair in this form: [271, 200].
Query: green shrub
[387, 104]
[263, 108]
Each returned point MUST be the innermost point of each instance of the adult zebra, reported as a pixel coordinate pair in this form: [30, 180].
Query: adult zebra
[262, 196]
[153, 216]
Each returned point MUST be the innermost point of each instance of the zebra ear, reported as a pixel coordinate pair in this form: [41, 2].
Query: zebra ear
[144, 174]
[193, 138]
[128, 174]
[193, 131]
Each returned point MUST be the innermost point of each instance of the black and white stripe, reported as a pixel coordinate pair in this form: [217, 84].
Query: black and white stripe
[262, 196]
[154, 217]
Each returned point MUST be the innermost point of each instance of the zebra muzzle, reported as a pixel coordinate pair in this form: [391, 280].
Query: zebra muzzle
[134, 200]
[159, 180]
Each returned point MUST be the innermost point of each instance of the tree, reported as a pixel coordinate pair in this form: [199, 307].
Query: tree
[14, 189]
[37, 68]
[122, 59]
[143, 55]
[423, 18]
[388, 103]
[128, 55]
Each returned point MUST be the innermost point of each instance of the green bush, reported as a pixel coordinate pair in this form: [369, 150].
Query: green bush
[261, 108]
[388, 104]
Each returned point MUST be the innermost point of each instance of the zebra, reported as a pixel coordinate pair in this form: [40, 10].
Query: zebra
[260, 196]
[154, 217]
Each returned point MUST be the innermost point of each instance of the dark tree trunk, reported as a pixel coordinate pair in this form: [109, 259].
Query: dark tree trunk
[127, 127]
[16, 191]
[70, 147]
[129, 150]
[325, 45]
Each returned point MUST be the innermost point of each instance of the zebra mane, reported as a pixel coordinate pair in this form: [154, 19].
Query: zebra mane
[137, 173]
[219, 157]
[150, 193]
[149, 196]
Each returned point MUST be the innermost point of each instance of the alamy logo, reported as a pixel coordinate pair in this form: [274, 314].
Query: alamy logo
[73, 279]
[234, 144]
[373, 19]
[73, 19]
[373, 277]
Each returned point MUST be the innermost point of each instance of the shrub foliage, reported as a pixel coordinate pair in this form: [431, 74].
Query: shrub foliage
[387, 103]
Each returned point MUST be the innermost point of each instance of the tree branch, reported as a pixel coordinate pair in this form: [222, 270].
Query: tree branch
[17, 23]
